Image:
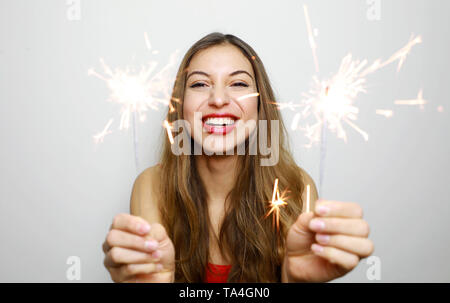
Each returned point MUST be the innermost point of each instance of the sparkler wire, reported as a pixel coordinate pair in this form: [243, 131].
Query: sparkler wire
[323, 154]
[135, 139]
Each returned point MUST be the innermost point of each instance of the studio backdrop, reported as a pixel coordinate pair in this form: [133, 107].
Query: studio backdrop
[71, 151]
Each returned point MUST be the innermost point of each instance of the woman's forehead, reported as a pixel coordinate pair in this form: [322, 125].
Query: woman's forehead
[220, 58]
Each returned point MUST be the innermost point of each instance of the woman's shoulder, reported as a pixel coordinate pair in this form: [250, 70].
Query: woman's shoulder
[145, 195]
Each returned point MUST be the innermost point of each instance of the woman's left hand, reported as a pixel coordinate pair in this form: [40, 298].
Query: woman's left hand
[327, 243]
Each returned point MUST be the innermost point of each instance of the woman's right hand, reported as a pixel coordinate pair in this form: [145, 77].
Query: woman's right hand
[136, 251]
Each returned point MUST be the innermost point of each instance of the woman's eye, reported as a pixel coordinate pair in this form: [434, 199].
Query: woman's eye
[240, 84]
[198, 85]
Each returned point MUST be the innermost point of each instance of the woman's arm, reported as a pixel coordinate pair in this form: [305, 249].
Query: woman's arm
[137, 247]
[144, 196]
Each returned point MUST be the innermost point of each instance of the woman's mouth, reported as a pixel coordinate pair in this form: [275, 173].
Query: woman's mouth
[219, 123]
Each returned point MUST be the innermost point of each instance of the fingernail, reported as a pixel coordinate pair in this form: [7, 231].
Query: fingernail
[143, 228]
[316, 248]
[151, 245]
[322, 210]
[317, 224]
[324, 239]
[157, 254]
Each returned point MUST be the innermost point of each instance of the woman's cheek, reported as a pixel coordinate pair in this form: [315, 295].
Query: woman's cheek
[251, 109]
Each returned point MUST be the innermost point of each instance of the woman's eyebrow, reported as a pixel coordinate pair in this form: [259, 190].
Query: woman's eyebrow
[240, 72]
[207, 75]
[197, 72]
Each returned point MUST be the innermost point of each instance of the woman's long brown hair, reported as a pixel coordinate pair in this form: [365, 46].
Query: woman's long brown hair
[253, 244]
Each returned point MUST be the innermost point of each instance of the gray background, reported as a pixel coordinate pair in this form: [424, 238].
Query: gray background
[59, 191]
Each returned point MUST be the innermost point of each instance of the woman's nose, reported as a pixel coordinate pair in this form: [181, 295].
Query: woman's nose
[219, 97]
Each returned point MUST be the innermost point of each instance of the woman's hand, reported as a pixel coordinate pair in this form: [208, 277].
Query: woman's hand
[136, 251]
[327, 243]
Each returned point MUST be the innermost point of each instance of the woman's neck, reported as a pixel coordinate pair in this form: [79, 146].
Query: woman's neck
[218, 173]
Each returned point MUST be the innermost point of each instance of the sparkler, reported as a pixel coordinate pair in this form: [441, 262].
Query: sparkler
[277, 202]
[331, 101]
[136, 91]
[308, 198]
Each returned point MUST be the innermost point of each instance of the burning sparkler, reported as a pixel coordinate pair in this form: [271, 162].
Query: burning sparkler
[331, 101]
[137, 91]
[277, 202]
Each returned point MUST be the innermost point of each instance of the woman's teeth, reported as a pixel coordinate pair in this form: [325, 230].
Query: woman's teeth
[219, 121]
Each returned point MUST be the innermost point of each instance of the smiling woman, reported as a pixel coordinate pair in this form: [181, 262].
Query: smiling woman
[202, 217]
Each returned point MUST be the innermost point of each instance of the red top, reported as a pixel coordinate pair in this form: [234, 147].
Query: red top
[217, 273]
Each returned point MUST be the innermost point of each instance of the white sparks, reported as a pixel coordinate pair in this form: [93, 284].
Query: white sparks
[384, 112]
[247, 96]
[418, 101]
[101, 135]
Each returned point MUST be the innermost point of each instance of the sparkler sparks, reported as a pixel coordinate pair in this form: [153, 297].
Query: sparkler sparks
[419, 101]
[331, 101]
[312, 42]
[101, 135]
[385, 112]
[277, 202]
[282, 105]
[400, 55]
[247, 96]
[137, 90]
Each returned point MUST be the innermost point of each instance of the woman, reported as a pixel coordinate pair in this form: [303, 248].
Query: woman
[201, 217]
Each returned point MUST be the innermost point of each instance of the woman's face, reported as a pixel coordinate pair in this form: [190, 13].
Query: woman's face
[216, 79]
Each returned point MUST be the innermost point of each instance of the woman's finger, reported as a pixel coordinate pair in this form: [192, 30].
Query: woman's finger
[117, 256]
[130, 223]
[105, 247]
[130, 273]
[344, 259]
[124, 239]
[131, 270]
[351, 227]
[362, 247]
[329, 208]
